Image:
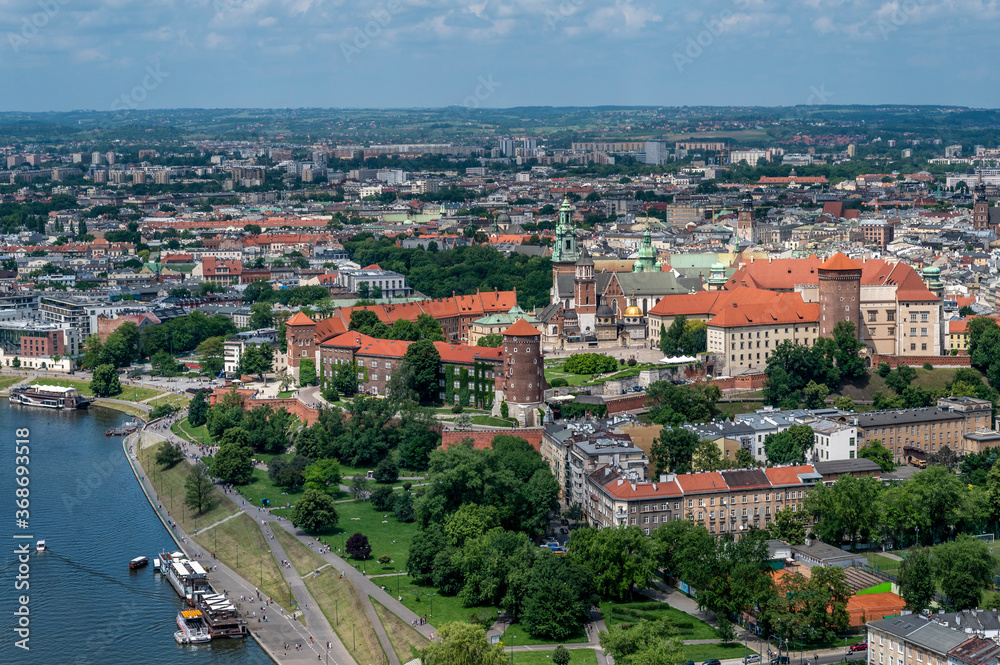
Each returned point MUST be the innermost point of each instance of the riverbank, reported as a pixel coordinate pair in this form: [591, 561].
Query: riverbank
[273, 634]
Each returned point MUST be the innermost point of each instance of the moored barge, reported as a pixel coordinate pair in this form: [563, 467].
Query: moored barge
[49, 397]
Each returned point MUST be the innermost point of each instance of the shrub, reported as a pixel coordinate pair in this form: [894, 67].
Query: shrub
[883, 369]
[928, 366]
[558, 383]
[382, 498]
[589, 363]
[457, 408]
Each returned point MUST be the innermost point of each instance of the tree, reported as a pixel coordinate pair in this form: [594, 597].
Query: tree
[402, 507]
[323, 475]
[198, 492]
[621, 558]
[560, 595]
[643, 643]
[879, 454]
[423, 358]
[673, 450]
[357, 546]
[212, 352]
[16, 363]
[916, 580]
[307, 372]
[288, 473]
[745, 459]
[589, 363]
[964, 570]
[169, 455]
[385, 560]
[315, 511]
[708, 457]
[670, 404]
[469, 522]
[844, 403]
[848, 509]
[382, 498]
[790, 526]
[104, 382]
[883, 369]
[815, 394]
[561, 655]
[261, 316]
[257, 359]
[164, 364]
[491, 341]
[900, 378]
[198, 409]
[462, 644]
[386, 471]
[789, 446]
[848, 348]
[232, 463]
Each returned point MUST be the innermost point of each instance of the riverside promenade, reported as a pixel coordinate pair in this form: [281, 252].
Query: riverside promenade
[281, 628]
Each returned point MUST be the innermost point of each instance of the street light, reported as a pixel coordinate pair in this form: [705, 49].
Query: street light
[512, 649]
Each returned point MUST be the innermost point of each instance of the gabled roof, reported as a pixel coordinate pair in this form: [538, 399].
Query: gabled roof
[839, 262]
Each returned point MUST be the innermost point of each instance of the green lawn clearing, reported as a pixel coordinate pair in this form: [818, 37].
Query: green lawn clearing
[186, 430]
[520, 636]
[344, 610]
[685, 625]
[137, 393]
[169, 486]
[82, 386]
[303, 558]
[406, 642]
[438, 609]
[577, 657]
[7, 381]
[382, 530]
[173, 399]
[703, 652]
[240, 543]
[490, 421]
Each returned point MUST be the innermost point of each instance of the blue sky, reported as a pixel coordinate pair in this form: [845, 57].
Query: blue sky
[106, 54]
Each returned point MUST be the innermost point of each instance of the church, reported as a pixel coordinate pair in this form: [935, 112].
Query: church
[606, 307]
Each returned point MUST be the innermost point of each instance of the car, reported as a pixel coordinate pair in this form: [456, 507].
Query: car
[752, 659]
[780, 660]
[860, 646]
[563, 530]
[713, 661]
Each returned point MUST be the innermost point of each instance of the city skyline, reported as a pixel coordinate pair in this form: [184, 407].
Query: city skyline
[119, 54]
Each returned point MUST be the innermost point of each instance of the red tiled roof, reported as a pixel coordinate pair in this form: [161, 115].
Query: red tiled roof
[787, 475]
[522, 328]
[460, 353]
[702, 482]
[300, 319]
[840, 262]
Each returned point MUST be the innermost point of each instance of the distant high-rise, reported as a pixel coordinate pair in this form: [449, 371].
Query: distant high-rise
[656, 152]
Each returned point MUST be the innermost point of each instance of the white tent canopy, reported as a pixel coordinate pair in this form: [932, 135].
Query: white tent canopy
[678, 360]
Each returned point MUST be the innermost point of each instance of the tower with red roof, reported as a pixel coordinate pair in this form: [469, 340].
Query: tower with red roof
[522, 381]
[839, 293]
[300, 333]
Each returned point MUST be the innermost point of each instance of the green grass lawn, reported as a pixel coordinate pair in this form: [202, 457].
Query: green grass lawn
[687, 626]
[406, 641]
[173, 399]
[7, 381]
[490, 421]
[522, 638]
[169, 485]
[882, 563]
[361, 517]
[577, 657]
[702, 652]
[137, 394]
[727, 409]
[288, 394]
[186, 430]
[438, 609]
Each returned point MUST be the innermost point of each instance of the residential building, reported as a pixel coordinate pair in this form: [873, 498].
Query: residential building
[235, 345]
[911, 639]
[390, 284]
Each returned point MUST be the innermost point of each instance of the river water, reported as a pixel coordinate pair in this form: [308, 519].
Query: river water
[85, 606]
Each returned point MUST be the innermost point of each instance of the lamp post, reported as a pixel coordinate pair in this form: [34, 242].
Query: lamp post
[512, 649]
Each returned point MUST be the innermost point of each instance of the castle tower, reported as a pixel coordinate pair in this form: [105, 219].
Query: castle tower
[522, 382]
[839, 294]
[300, 333]
[564, 251]
[746, 224]
[932, 277]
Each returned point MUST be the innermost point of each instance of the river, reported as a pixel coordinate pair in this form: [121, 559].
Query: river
[85, 606]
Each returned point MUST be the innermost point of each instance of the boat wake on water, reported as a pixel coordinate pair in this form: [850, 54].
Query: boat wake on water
[103, 576]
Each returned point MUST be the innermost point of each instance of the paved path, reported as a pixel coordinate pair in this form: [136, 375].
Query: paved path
[142, 407]
[280, 628]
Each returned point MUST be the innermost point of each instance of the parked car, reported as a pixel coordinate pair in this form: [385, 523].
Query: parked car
[860, 646]
[779, 660]
[752, 659]
[713, 661]
[563, 530]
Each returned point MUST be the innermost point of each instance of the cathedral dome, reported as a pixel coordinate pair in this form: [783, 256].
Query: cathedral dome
[633, 311]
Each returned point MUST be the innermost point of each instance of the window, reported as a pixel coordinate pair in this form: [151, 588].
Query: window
[923, 317]
[913, 317]
[923, 332]
[872, 316]
[890, 315]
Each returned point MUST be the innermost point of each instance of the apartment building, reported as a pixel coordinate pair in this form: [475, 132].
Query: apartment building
[723, 502]
[575, 450]
[914, 434]
[237, 344]
[911, 639]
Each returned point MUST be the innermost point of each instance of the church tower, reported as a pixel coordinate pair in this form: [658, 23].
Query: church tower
[585, 294]
[564, 253]
[646, 261]
[746, 224]
[980, 207]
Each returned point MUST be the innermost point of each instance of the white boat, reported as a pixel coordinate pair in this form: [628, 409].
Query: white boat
[40, 546]
[192, 627]
[156, 565]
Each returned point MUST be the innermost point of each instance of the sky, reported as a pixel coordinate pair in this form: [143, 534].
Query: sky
[115, 54]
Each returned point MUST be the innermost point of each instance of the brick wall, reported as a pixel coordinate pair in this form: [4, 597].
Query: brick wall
[742, 382]
[484, 438]
[304, 413]
[625, 403]
[917, 361]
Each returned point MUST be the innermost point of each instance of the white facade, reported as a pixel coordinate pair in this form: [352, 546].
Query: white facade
[833, 441]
